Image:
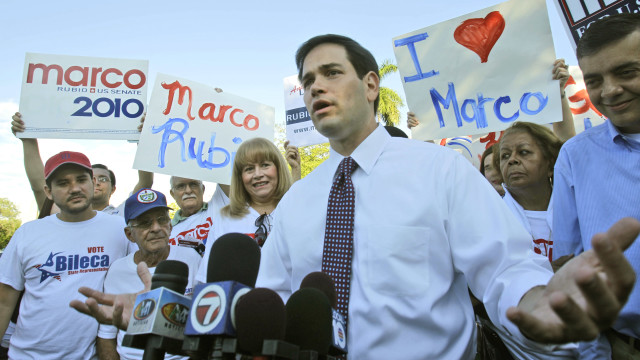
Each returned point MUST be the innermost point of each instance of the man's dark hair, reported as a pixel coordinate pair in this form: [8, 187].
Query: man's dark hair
[359, 57]
[112, 176]
[607, 31]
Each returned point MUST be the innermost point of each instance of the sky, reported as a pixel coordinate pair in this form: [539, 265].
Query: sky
[244, 47]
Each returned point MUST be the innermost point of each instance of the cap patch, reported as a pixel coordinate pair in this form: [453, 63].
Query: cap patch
[147, 196]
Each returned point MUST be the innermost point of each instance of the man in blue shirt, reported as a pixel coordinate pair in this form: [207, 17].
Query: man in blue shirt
[597, 174]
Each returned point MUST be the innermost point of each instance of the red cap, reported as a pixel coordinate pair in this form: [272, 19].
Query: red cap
[66, 157]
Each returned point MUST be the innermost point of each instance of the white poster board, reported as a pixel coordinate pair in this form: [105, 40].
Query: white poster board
[480, 72]
[78, 97]
[300, 129]
[192, 131]
[585, 115]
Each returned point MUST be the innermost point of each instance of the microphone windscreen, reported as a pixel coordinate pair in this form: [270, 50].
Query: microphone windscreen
[260, 315]
[234, 257]
[309, 320]
[323, 282]
[171, 274]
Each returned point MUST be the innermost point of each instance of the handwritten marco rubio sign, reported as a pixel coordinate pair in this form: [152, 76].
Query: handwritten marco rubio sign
[480, 72]
[193, 131]
[82, 97]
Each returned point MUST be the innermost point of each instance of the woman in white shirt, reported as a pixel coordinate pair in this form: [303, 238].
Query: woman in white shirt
[259, 179]
[526, 156]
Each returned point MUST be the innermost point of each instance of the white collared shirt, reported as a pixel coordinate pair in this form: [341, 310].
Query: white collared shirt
[427, 224]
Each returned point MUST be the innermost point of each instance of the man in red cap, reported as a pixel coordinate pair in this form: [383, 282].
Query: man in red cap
[50, 258]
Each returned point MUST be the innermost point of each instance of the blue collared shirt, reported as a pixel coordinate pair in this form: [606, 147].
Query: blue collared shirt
[596, 183]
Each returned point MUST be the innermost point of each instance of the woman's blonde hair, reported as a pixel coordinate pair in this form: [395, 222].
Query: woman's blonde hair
[250, 152]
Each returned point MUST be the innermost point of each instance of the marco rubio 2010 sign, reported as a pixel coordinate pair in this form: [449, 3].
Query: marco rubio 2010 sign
[82, 97]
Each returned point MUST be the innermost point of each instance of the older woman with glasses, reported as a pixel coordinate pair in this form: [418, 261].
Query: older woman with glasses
[259, 179]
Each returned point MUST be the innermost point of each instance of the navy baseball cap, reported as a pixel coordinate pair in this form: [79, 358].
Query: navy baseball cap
[143, 201]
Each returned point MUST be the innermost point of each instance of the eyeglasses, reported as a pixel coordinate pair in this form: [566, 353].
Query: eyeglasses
[263, 225]
[147, 224]
[101, 179]
[193, 185]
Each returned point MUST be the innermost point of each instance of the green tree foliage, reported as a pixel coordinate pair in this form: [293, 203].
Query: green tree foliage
[9, 221]
[311, 156]
[173, 207]
[390, 101]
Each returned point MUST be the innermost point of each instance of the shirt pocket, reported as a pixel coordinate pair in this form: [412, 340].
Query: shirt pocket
[397, 260]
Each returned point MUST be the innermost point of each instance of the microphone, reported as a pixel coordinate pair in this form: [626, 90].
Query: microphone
[260, 326]
[232, 269]
[309, 323]
[323, 282]
[159, 315]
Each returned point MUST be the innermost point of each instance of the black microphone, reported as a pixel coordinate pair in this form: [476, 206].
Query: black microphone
[323, 282]
[232, 269]
[309, 323]
[159, 315]
[260, 326]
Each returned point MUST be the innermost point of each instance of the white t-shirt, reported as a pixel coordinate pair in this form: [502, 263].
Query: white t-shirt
[224, 225]
[194, 230]
[540, 232]
[112, 210]
[50, 259]
[123, 278]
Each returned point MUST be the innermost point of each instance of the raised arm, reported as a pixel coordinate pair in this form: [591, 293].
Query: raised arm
[145, 180]
[293, 158]
[33, 165]
[565, 129]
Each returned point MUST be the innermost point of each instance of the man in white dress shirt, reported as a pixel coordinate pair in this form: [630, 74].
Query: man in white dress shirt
[427, 226]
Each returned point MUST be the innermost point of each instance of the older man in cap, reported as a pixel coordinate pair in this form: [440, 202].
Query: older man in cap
[50, 258]
[149, 226]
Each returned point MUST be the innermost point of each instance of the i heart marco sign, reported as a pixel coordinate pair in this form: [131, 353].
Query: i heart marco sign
[480, 72]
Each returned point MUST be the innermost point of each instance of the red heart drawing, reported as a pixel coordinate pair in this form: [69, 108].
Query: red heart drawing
[479, 35]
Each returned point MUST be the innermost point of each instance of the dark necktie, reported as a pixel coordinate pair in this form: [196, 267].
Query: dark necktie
[338, 235]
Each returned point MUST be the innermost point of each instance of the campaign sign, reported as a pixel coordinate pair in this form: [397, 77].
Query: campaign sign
[585, 115]
[300, 129]
[579, 14]
[480, 72]
[78, 97]
[193, 131]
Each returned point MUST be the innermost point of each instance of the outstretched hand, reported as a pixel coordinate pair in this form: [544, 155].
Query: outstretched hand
[112, 309]
[585, 296]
